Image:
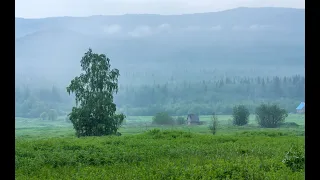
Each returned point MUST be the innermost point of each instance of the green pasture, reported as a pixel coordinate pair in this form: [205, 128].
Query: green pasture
[50, 150]
[36, 128]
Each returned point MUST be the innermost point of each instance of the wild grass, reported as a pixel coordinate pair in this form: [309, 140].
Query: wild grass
[162, 152]
[36, 128]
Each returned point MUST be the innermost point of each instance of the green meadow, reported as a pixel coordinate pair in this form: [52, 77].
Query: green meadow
[50, 150]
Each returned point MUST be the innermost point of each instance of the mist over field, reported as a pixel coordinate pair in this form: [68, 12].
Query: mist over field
[172, 52]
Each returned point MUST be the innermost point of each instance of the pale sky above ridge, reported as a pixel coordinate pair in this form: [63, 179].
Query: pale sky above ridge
[54, 8]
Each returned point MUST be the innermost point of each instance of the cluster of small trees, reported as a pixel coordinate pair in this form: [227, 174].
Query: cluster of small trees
[267, 116]
[51, 115]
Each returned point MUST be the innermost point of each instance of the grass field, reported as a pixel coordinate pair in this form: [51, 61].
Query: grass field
[50, 150]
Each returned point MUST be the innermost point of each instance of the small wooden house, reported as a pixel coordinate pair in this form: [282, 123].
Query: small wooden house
[193, 119]
[301, 108]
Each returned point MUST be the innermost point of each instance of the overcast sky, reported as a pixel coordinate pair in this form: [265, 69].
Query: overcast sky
[53, 8]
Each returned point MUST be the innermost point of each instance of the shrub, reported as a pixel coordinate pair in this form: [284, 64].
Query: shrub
[118, 134]
[240, 115]
[214, 124]
[270, 116]
[289, 125]
[180, 120]
[154, 131]
[52, 115]
[162, 118]
[44, 116]
[294, 159]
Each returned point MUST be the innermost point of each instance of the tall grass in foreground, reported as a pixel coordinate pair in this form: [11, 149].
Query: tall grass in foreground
[159, 154]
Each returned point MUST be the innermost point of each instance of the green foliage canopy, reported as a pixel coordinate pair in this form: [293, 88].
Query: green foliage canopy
[94, 114]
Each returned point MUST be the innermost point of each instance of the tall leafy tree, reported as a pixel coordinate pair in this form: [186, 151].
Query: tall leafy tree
[94, 114]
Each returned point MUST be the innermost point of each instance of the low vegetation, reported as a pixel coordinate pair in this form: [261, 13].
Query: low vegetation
[158, 154]
[181, 120]
[162, 118]
[51, 151]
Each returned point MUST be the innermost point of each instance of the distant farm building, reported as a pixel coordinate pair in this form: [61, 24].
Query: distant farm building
[301, 108]
[193, 119]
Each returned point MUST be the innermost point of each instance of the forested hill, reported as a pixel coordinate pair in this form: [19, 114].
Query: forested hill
[179, 63]
[261, 39]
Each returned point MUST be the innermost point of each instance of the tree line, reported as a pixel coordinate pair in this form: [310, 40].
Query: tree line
[31, 102]
[203, 97]
[176, 98]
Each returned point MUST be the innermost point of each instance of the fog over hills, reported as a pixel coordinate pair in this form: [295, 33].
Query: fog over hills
[243, 41]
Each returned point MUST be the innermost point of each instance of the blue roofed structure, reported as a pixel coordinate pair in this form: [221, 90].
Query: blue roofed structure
[301, 108]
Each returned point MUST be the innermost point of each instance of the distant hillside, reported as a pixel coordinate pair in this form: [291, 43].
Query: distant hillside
[236, 38]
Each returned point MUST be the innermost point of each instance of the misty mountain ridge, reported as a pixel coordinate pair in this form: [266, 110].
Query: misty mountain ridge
[236, 39]
[236, 19]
